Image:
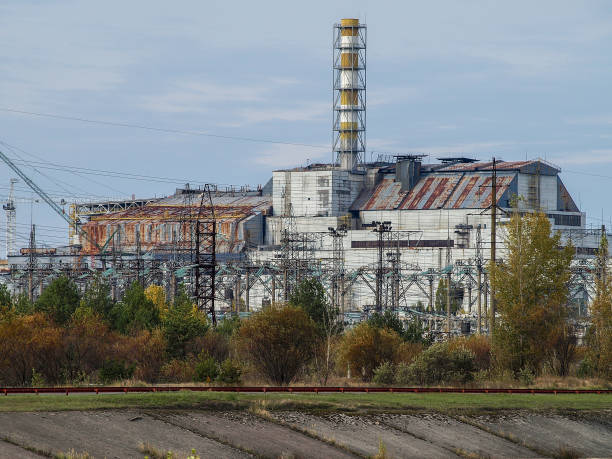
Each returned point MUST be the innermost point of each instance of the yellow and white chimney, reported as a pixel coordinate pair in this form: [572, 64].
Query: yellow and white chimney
[349, 92]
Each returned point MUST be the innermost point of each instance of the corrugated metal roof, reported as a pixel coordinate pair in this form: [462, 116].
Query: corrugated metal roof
[175, 208]
[500, 166]
[445, 191]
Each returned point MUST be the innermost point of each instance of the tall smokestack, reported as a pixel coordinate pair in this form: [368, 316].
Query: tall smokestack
[349, 92]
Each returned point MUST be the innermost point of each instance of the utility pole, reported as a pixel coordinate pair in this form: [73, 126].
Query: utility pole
[493, 245]
[31, 263]
[448, 302]
[479, 273]
[381, 228]
[337, 278]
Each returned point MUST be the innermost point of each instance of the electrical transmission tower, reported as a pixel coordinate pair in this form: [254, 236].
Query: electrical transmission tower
[205, 257]
[11, 219]
[337, 277]
[381, 228]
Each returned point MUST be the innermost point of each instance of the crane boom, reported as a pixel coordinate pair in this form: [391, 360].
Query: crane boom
[40, 192]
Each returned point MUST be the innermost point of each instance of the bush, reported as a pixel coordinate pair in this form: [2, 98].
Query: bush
[178, 371]
[479, 345]
[403, 374]
[206, 370]
[366, 347]
[408, 351]
[384, 374]
[230, 372]
[278, 342]
[440, 364]
[114, 370]
[213, 343]
[526, 376]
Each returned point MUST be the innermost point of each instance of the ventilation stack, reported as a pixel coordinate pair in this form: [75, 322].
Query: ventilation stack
[349, 92]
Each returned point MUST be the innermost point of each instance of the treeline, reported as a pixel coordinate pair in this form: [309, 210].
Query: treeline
[66, 338]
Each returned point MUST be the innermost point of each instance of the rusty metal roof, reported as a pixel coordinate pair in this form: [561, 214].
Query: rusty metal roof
[522, 166]
[175, 208]
[435, 191]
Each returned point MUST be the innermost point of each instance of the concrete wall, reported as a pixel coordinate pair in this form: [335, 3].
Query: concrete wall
[315, 193]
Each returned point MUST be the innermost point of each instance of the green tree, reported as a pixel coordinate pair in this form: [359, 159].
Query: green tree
[598, 359]
[388, 320]
[59, 300]
[278, 342]
[182, 323]
[410, 331]
[531, 292]
[97, 297]
[135, 312]
[456, 296]
[310, 296]
[5, 297]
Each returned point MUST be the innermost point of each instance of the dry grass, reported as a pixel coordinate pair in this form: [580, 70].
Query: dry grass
[72, 454]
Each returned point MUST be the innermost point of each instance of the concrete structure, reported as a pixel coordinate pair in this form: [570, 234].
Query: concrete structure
[318, 221]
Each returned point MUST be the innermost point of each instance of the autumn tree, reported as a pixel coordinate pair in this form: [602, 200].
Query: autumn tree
[310, 296]
[599, 335]
[531, 293]
[278, 341]
[29, 343]
[59, 299]
[365, 347]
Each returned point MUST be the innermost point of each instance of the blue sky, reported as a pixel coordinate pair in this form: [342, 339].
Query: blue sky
[481, 78]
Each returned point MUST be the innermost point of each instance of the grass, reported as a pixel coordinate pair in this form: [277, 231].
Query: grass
[348, 402]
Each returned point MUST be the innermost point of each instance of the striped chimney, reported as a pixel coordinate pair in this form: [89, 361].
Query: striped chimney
[349, 92]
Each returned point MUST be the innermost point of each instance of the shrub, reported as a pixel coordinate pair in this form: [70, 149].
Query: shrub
[384, 374]
[213, 343]
[206, 370]
[479, 345]
[526, 376]
[146, 351]
[28, 343]
[408, 351]
[230, 372]
[440, 364]
[278, 342]
[403, 374]
[178, 371]
[115, 370]
[366, 347]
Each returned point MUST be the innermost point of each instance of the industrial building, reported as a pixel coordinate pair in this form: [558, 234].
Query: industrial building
[377, 234]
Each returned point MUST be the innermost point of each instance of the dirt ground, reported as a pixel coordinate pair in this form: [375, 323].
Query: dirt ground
[229, 434]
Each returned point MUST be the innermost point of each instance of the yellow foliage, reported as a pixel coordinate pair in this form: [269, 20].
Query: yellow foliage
[157, 295]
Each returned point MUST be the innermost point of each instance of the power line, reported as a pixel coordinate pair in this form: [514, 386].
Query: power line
[157, 129]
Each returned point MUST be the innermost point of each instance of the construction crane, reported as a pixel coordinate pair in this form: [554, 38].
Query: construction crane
[73, 222]
[11, 219]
